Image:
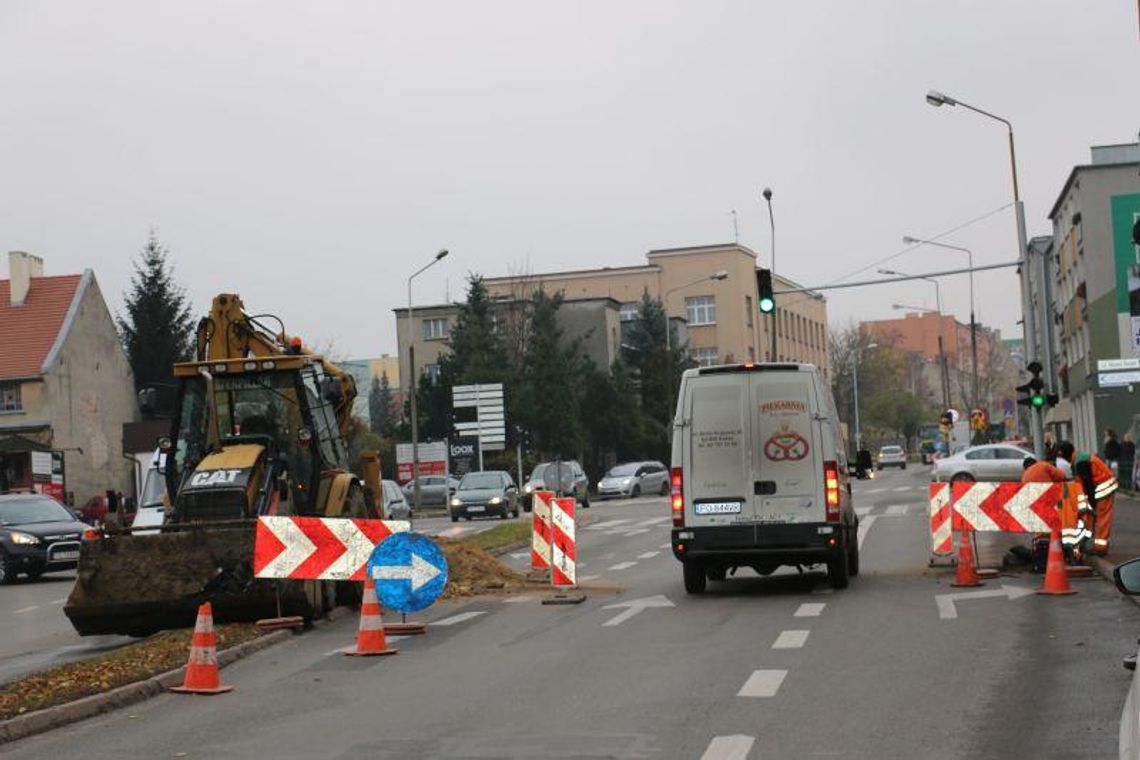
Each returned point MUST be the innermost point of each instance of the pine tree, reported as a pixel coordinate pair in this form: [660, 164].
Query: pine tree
[157, 330]
[550, 393]
[475, 348]
[659, 370]
[381, 411]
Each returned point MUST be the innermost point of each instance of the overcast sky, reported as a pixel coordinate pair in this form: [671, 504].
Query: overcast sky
[309, 156]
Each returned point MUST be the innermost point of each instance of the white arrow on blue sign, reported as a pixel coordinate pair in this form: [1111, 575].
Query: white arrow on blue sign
[409, 570]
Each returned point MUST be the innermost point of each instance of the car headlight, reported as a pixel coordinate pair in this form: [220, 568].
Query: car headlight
[496, 500]
[23, 538]
[626, 481]
[455, 502]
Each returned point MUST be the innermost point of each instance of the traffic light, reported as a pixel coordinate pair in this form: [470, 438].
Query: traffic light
[767, 301]
[1034, 390]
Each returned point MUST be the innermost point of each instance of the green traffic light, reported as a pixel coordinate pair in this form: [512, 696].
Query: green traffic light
[1038, 401]
[767, 305]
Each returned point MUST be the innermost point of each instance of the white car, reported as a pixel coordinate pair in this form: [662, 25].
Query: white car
[395, 505]
[989, 462]
[635, 479]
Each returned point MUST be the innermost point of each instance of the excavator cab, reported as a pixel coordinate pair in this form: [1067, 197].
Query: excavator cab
[258, 430]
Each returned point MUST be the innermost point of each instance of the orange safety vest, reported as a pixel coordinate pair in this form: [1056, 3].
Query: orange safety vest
[1104, 481]
[1076, 514]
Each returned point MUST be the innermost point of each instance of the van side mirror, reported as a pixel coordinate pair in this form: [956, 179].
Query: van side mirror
[1127, 577]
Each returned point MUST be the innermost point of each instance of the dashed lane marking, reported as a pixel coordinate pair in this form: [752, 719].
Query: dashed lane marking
[655, 521]
[27, 609]
[461, 617]
[647, 555]
[791, 640]
[864, 526]
[637, 532]
[665, 546]
[877, 490]
[734, 747]
[900, 489]
[587, 578]
[622, 566]
[897, 509]
[810, 609]
[606, 524]
[762, 683]
[58, 601]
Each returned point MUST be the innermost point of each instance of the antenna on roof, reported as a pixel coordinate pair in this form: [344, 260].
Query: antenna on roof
[735, 231]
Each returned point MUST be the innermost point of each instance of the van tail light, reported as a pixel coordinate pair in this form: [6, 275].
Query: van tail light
[677, 497]
[831, 490]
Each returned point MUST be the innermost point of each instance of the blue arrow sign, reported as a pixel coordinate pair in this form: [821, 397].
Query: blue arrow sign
[409, 570]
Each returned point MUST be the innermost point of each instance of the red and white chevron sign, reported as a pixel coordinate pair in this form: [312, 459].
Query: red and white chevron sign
[318, 548]
[1005, 507]
[941, 539]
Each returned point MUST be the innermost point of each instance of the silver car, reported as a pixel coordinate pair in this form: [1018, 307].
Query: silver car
[435, 490]
[395, 505]
[990, 462]
[892, 456]
[635, 479]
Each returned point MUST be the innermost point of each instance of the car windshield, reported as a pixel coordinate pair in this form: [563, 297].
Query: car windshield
[34, 509]
[478, 480]
[154, 489]
[623, 470]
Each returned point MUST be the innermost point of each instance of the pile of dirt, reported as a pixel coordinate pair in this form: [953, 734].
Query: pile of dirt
[472, 571]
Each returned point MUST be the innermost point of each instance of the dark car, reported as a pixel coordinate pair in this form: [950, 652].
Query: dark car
[37, 535]
[483, 494]
[565, 477]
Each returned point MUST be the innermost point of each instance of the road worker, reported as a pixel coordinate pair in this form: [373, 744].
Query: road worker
[1076, 511]
[1098, 481]
[1045, 472]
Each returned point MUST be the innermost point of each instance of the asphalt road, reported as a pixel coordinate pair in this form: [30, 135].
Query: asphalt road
[777, 667]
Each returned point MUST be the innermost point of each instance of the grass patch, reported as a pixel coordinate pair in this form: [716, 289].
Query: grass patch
[134, 662]
[501, 535]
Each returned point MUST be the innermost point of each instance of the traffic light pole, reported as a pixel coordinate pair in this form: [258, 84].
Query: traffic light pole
[1029, 321]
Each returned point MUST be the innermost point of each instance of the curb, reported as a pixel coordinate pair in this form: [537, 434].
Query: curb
[29, 724]
[501, 550]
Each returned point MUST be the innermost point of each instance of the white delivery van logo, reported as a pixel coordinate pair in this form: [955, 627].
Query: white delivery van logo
[786, 445]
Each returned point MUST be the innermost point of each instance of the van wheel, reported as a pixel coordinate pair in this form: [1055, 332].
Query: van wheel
[853, 559]
[717, 573]
[695, 580]
[837, 574]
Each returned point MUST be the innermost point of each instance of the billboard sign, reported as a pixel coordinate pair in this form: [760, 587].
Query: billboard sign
[433, 460]
[463, 455]
[1125, 211]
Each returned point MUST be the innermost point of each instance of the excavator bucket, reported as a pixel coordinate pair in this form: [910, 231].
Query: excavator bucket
[139, 584]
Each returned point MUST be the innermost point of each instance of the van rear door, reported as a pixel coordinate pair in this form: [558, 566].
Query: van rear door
[787, 459]
[718, 450]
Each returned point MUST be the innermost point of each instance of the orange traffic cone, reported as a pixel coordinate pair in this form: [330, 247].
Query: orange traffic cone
[370, 638]
[202, 667]
[967, 573]
[1056, 578]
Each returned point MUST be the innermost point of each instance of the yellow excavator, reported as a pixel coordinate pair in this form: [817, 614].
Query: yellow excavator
[259, 429]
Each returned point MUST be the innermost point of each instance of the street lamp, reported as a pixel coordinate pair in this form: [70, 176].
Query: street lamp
[944, 371]
[412, 381]
[855, 384]
[908, 240]
[718, 275]
[939, 99]
[767, 193]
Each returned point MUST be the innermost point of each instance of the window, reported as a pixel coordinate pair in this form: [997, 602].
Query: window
[628, 311]
[986, 453]
[700, 310]
[10, 397]
[705, 357]
[436, 329]
[748, 310]
[432, 371]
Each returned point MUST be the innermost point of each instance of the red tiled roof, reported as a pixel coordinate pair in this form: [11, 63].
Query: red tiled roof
[27, 332]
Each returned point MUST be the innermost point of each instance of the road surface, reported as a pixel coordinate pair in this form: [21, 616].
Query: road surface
[777, 667]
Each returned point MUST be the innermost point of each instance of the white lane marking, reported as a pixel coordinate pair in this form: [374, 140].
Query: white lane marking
[27, 609]
[58, 601]
[900, 489]
[655, 521]
[519, 555]
[607, 524]
[387, 640]
[810, 609]
[734, 747]
[647, 555]
[791, 640]
[864, 526]
[897, 509]
[621, 566]
[588, 578]
[461, 617]
[945, 602]
[665, 546]
[517, 599]
[877, 490]
[762, 683]
[862, 511]
[634, 606]
[637, 532]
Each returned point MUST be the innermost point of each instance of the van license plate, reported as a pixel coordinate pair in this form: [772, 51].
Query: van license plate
[717, 508]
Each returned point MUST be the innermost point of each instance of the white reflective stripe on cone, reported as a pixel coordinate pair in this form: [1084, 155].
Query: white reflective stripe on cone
[371, 623]
[203, 656]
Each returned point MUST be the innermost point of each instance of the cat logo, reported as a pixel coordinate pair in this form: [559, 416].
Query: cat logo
[213, 478]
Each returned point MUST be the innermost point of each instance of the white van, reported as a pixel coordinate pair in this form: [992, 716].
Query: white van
[759, 476]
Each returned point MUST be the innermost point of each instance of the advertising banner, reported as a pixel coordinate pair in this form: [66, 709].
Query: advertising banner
[463, 455]
[1125, 217]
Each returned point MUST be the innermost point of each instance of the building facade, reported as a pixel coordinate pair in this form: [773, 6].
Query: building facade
[1092, 294]
[66, 387]
[364, 371]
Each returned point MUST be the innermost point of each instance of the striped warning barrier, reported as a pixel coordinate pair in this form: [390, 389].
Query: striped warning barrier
[564, 553]
[318, 548]
[1005, 507]
[540, 531]
[941, 537]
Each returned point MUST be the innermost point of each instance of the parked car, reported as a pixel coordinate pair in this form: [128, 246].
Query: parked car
[892, 456]
[991, 462]
[37, 535]
[481, 494]
[435, 490]
[566, 477]
[634, 479]
[395, 506]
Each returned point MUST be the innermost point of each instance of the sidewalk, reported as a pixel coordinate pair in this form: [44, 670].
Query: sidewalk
[1125, 535]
